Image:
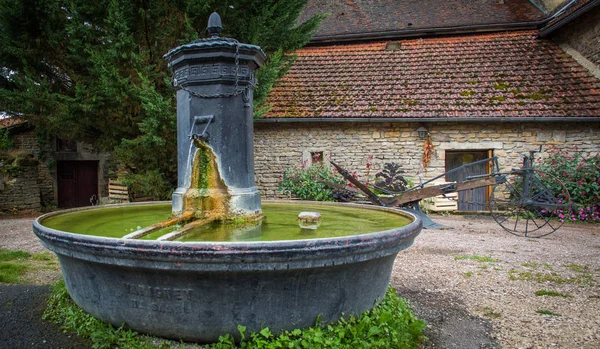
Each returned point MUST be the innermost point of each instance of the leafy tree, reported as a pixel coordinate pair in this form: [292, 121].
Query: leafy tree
[92, 71]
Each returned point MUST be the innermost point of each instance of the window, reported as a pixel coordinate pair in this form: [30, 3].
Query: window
[316, 157]
[66, 146]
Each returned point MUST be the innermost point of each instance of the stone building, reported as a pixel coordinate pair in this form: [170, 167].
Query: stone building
[486, 78]
[76, 175]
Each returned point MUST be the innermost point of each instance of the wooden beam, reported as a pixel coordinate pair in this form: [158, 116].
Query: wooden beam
[370, 195]
[427, 192]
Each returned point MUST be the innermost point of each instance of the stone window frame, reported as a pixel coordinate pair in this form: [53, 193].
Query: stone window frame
[307, 155]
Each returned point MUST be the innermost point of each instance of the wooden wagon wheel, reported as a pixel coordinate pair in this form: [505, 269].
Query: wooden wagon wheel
[530, 203]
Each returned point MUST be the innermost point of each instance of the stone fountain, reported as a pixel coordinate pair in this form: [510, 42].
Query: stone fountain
[197, 291]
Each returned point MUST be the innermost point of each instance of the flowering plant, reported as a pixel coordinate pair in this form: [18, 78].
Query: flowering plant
[310, 181]
[580, 176]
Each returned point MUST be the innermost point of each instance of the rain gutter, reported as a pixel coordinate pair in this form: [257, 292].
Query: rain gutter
[429, 120]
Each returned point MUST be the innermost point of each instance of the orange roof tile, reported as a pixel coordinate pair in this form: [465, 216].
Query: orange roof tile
[7, 122]
[492, 75]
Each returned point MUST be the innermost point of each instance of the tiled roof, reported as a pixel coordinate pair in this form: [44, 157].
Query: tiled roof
[372, 16]
[7, 122]
[574, 10]
[493, 75]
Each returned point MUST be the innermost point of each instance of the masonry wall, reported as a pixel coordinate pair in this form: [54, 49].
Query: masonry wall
[44, 188]
[583, 35]
[550, 5]
[20, 192]
[280, 145]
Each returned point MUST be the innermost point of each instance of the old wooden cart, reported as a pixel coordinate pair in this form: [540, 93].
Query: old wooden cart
[524, 201]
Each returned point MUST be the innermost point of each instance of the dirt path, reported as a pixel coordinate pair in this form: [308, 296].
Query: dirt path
[474, 284]
[21, 309]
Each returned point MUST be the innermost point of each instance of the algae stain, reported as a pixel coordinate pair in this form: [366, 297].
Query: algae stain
[208, 196]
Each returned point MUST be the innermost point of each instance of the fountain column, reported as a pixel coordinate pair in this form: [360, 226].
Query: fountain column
[214, 78]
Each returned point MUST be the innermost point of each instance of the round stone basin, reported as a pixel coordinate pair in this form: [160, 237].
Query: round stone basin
[273, 274]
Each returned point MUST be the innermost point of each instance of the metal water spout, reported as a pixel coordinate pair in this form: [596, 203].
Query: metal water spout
[214, 79]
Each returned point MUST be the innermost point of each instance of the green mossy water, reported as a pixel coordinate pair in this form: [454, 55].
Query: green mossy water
[280, 223]
[112, 222]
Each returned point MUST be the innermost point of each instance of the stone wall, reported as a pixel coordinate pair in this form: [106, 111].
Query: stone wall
[20, 192]
[549, 5]
[280, 145]
[27, 142]
[582, 35]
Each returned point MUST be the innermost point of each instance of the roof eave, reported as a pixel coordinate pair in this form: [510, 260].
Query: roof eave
[567, 19]
[423, 32]
[440, 119]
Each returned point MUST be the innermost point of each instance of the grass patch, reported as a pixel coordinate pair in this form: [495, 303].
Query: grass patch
[391, 324]
[540, 277]
[546, 312]
[43, 256]
[12, 273]
[10, 255]
[476, 258]
[552, 294]
[530, 265]
[14, 264]
[468, 274]
[491, 313]
[578, 268]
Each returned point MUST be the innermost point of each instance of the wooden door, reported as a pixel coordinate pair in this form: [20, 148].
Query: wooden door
[77, 183]
[473, 199]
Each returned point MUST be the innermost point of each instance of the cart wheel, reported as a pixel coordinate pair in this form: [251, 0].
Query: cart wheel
[539, 213]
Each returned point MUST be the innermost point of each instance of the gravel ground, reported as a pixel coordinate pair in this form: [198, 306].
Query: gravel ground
[478, 268]
[474, 284]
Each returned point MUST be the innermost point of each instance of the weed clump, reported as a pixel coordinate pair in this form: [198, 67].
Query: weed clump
[391, 324]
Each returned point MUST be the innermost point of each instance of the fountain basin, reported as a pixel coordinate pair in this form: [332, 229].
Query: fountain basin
[197, 291]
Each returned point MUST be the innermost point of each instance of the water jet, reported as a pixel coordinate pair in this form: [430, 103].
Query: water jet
[216, 256]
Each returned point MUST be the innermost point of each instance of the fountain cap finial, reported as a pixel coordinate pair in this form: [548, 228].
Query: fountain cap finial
[215, 26]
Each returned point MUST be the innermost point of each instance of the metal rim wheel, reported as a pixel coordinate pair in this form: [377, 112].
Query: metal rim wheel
[538, 214]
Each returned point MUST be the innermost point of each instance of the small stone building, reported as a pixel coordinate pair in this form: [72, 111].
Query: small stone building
[61, 174]
[500, 82]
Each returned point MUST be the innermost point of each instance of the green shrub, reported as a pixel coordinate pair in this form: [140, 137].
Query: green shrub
[5, 142]
[580, 176]
[310, 182]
